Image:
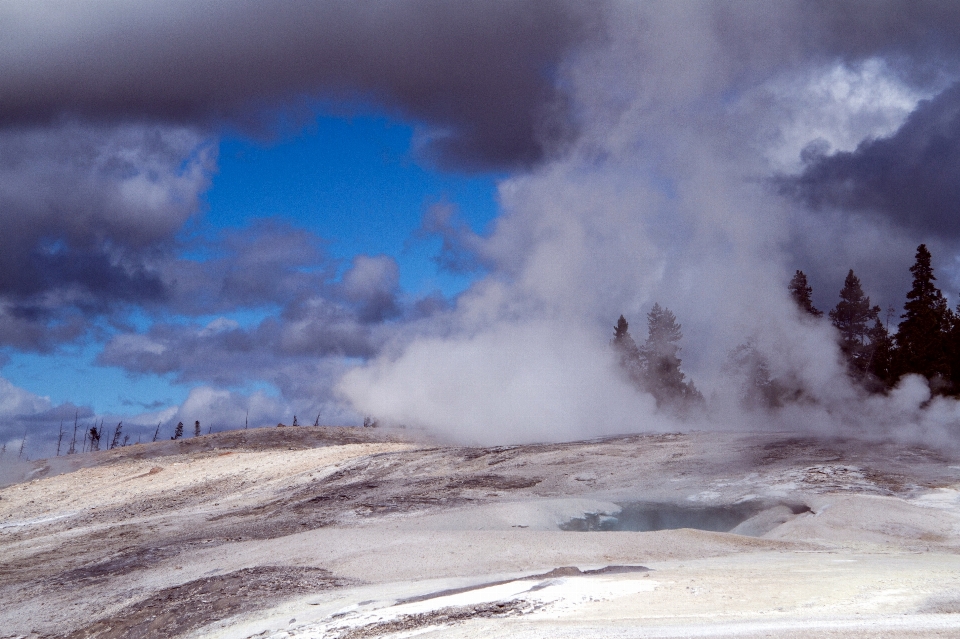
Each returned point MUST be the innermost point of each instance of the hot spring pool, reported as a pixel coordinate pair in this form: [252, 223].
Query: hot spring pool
[641, 516]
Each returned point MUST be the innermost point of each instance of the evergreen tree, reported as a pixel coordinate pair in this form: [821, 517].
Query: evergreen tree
[880, 357]
[922, 336]
[628, 352]
[953, 349]
[196, 428]
[659, 356]
[852, 317]
[178, 432]
[801, 291]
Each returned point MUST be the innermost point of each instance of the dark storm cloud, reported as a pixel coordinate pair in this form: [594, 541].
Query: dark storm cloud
[919, 38]
[869, 27]
[86, 212]
[481, 75]
[478, 73]
[41, 333]
[106, 113]
[911, 177]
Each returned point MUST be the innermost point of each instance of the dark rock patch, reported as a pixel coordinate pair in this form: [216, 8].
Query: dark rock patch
[180, 609]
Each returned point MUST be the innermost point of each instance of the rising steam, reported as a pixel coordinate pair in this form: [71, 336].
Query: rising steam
[664, 198]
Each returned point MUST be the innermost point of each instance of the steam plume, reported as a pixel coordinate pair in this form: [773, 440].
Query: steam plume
[665, 197]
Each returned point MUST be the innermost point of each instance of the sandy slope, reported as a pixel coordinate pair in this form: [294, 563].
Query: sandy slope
[361, 533]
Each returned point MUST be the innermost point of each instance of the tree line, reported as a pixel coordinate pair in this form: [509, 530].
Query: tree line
[654, 366]
[926, 340]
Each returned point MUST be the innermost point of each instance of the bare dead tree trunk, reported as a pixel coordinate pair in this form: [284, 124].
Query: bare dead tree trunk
[115, 440]
[156, 433]
[60, 438]
[73, 444]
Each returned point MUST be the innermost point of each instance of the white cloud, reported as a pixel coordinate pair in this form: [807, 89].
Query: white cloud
[16, 402]
[837, 106]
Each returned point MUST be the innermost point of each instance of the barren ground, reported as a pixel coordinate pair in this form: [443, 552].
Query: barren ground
[350, 533]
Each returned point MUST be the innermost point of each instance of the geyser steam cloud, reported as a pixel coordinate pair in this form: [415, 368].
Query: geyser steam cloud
[686, 112]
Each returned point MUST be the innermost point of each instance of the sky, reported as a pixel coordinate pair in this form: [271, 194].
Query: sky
[432, 213]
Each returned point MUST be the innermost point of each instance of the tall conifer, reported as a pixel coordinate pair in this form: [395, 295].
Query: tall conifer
[852, 317]
[801, 291]
[628, 352]
[880, 358]
[922, 337]
[660, 355]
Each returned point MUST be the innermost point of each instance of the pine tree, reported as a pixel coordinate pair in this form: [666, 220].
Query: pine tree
[953, 349]
[196, 428]
[659, 355]
[852, 317]
[801, 291]
[880, 357]
[178, 433]
[624, 345]
[922, 336]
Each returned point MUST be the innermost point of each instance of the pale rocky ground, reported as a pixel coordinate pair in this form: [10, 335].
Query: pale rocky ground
[350, 533]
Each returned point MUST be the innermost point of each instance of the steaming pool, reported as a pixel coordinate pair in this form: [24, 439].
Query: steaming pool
[643, 516]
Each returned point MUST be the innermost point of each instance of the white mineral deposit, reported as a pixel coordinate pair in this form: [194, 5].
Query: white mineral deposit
[348, 533]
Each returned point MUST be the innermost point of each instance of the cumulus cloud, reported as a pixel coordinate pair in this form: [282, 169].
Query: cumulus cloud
[222, 352]
[264, 264]
[279, 270]
[86, 211]
[26, 415]
[832, 107]
[373, 284]
[911, 177]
